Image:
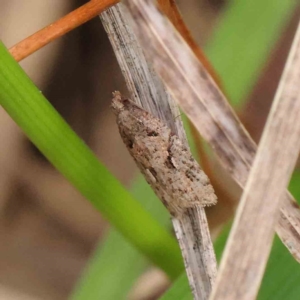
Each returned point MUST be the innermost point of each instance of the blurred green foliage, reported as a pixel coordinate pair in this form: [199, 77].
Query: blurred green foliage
[242, 41]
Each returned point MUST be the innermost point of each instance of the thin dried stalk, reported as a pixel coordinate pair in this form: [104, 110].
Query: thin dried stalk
[169, 8]
[147, 90]
[206, 106]
[57, 29]
[250, 240]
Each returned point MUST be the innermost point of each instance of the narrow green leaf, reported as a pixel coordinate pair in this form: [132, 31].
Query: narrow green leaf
[68, 153]
[116, 263]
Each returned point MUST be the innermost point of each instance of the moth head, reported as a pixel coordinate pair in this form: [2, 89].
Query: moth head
[117, 102]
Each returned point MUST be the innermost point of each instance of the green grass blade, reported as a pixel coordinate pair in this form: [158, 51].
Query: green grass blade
[68, 153]
[243, 40]
[116, 262]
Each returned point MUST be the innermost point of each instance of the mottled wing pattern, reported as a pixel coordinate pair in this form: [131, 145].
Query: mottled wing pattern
[166, 163]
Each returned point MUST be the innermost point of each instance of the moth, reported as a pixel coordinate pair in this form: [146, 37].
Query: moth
[165, 162]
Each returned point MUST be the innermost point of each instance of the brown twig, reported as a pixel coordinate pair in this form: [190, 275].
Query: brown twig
[57, 29]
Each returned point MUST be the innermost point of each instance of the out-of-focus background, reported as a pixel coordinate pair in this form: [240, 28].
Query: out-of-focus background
[48, 230]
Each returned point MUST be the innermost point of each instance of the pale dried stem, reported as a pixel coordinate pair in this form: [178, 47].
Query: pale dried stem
[206, 106]
[147, 90]
[250, 240]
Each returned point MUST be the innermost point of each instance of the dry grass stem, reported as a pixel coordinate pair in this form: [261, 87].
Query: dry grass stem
[203, 102]
[250, 240]
[57, 29]
[169, 8]
[147, 90]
